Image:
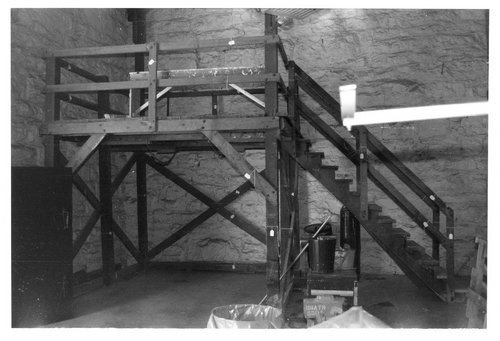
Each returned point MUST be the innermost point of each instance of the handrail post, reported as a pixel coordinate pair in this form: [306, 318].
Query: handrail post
[436, 222]
[362, 172]
[450, 257]
[153, 82]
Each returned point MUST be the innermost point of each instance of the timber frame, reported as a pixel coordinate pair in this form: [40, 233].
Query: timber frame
[140, 131]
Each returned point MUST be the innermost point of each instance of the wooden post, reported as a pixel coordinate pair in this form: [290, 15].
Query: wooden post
[436, 223]
[106, 199]
[272, 209]
[450, 253]
[142, 209]
[52, 111]
[272, 218]
[271, 65]
[362, 170]
[152, 68]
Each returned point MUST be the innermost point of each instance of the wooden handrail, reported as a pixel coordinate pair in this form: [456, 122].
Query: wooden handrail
[373, 174]
[328, 103]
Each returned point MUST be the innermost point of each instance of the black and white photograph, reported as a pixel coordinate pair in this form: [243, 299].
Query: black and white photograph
[233, 167]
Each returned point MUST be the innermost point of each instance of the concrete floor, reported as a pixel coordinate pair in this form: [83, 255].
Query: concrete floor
[179, 299]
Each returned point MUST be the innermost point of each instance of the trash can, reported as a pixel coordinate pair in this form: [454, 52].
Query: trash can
[245, 316]
[321, 254]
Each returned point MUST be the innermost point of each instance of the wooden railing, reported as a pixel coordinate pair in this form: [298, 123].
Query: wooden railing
[366, 141]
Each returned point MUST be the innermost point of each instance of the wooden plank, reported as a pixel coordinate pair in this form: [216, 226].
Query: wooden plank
[212, 92]
[101, 51]
[85, 151]
[78, 70]
[241, 165]
[248, 95]
[211, 266]
[89, 127]
[142, 209]
[200, 73]
[106, 201]
[219, 80]
[94, 87]
[153, 82]
[52, 111]
[213, 44]
[146, 105]
[87, 104]
[139, 125]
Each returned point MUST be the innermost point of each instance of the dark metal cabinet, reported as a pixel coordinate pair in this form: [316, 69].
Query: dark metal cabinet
[41, 245]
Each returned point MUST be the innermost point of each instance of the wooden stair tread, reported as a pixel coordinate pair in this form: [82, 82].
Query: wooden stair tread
[374, 207]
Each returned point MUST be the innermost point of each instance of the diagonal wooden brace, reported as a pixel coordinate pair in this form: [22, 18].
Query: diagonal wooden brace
[216, 208]
[248, 95]
[85, 151]
[242, 166]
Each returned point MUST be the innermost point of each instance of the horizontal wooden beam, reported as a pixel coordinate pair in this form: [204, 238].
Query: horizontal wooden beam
[139, 125]
[101, 51]
[267, 77]
[98, 126]
[204, 72]
[87, 104]
[211, 92]
[214, 44]
[210, 266]
[78, 70]
[109, 86]
[95, 87]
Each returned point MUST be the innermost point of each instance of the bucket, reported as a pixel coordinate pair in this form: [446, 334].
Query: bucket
[245, 316]
[321, 253]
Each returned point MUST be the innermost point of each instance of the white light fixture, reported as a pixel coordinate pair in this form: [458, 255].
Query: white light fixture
[350, 117]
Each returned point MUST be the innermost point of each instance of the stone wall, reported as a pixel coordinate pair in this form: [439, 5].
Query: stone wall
[35, 33]
[398, 58]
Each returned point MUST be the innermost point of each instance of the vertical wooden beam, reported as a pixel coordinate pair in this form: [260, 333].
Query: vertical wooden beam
[361, 144]
[142, 209]
[153, 82]
[52, 111]
[106, 199]
[450, 253]
[436, 223]
[271, 65]
[272, 216]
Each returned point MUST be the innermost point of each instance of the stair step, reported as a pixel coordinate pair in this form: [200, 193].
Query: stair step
[440, 273]
[428, 263]
[384, 219]
[330, 167]
[373, 211]
[342, 181]
[415, 250]
[316, 154]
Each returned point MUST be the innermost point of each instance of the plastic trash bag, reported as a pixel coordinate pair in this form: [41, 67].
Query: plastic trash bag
[244, 316]
[355, 317]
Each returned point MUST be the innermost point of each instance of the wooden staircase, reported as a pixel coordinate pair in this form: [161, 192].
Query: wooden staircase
[421, 268]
